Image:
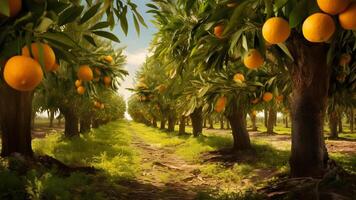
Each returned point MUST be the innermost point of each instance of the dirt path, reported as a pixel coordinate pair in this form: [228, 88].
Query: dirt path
[164, 175]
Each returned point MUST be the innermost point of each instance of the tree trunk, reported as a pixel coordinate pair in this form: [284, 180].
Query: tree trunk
[33, 118]
[265, 117]
[51, 118]
[204, 124]
[333, 122]
[272, 118]
[85, 124]
[211, 123]
[237, 119]
[228, 125]
[154, 122]
[340, 122]
[286, 124]
[171, 123]
[351, 120]
[15, 117]
[253, 121]
[163, 124]
[310, 76]
[95, 123]
[222, 122]
[197, 121]
[71, 122]
[182, 125]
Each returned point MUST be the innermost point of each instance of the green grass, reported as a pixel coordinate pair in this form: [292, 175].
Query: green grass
[107, 149]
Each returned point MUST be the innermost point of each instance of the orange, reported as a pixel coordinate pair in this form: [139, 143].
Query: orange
[85, 73]
[14, 7]
[279, 98]
[318, 27]
[239, 78]
[220, 104]
[253, 59]
[78, 83]
[97, 104]
[81, 90]
[49, 57]
[102, 106]
[255, 101]
[347, 18]
[276, 30]
[108, 59]
[23, 73]
[345, 59]
[218, 31]
[333, 7]
[267, 96]
[107, 80]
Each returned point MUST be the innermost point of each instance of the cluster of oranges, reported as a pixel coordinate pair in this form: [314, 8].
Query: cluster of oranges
[99, 105]
[23, 72]
[85, 73]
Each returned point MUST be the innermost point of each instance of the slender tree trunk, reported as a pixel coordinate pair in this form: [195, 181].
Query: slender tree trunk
[71, 125]
[228, 124]
[154, 122]
[211, 123]
[340, 122]
[222, 122]
[351, 120]
[33, 119]
[240, 135]
[333, 122]
[286, 125]
[51, 118]
[204, 124]
[253, 121]
[271, 120]
[266, 117]
[163, 123]
[95, 123]
[182, 125]
[310, 76]
[171, 123]
[197, 121]
[15, 116]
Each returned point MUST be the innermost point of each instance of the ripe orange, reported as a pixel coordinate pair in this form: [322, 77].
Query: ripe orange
[81, 90]
[85, 73]
[239, 78]
[97, 104]
[108, 59]
[49, 57]
[23, 73]
[318, 27]
[333, 7]
[255, 101]
[279, 98]
[347, 18]
[345, 59]
[276, 30]
[253, 59]
[107, 80]
[267, 96]
[78, 83]
[220, 104]
[218, 31]
[14, 7]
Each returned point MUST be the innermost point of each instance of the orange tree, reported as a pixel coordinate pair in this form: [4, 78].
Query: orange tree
[306, 37]
[32, 40]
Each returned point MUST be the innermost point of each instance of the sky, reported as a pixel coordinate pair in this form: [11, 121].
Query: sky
[136, 46]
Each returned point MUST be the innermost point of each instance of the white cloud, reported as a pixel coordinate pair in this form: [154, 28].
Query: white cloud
[136, 58]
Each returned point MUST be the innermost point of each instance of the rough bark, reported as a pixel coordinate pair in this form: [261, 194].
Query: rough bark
[237, 119]
[182, 125]
[15, 115]
[310, 76]
[333, 122]
[154, 122]
[272, 118]
[171, 123]
[71, 126]
[197, 121]
[163, 124]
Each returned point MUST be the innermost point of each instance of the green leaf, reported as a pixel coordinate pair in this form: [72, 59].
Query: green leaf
[90, 39]
[4, 8]
[298, 14]
[70, 15]
[285, 50]
[107, 35]
[123, 20]
[99, 25]
[137, 25]
[90, 13]
[59, 37]
[279, 4]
